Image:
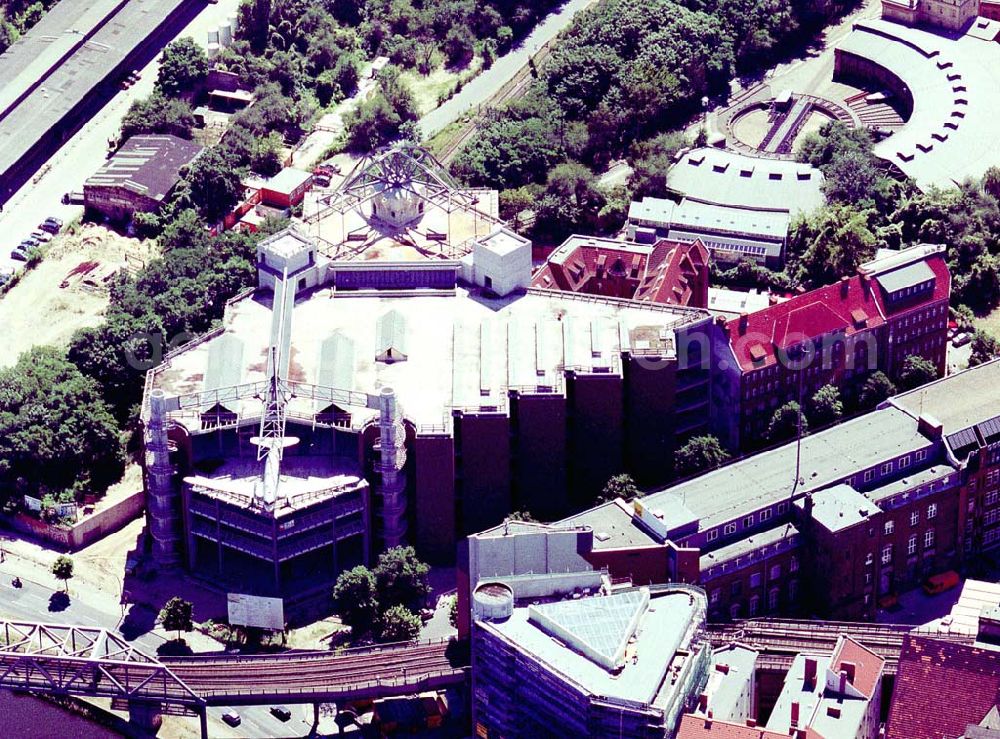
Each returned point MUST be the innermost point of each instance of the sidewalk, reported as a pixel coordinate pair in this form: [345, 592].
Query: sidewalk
[98, 586]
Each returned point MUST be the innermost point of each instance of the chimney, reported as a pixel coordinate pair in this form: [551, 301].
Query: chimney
[744, 322]
[795, 714]
[702, 703]
[850, 668]
[809, 678]
[751, 722]
[720, 321]
[724, 669]
[845, 285]
[843, 682]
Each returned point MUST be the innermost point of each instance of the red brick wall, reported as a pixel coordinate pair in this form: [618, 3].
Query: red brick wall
[539, 455]
[596, 436]
[644, 565]
[650, 387]
[924, 335]
[722, 598]
[483, 491]
[908, 570]
[434, 497]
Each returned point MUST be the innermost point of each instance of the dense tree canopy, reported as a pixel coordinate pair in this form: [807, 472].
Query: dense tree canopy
[984, 348]
[177, 615]
[165, 304]
[619, 486]
[382, 601]
[355, 598]
[699, 454]
[916, 371]
[383, 117]
[56, 432]
[157, 114]
[787, 422]
[398, 623]
[623, 72]
[826, 406]
[401, 578]
[183, 67]
[877, 388]
[17, 16]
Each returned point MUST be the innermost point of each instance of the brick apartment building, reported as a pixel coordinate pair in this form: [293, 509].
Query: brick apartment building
[882, 501]
[896, 306]
[671, 272]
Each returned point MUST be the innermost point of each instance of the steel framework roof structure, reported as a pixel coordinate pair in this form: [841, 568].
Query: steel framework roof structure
[406, 168]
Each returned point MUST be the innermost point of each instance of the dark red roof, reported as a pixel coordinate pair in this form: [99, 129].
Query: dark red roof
[941, 688]
[699, 727]
[868, 666]
[673, 272]
[852, 305]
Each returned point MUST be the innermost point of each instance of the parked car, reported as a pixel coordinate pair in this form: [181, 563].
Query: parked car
[30, 241]
[232, 718]
[51, 224]
[961, 339]
[281, 713]
[20, 256]
[942, 582]
[41, 236]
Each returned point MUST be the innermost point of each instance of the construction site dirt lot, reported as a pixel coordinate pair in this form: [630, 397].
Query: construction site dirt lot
[67, 290]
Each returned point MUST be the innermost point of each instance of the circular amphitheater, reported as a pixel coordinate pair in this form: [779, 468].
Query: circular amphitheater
[761, 124]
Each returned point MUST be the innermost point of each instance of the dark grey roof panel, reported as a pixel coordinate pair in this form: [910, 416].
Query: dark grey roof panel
[904, 277]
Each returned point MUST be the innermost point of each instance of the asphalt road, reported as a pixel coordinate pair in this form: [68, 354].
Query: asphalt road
[34, 602]
[484, 85]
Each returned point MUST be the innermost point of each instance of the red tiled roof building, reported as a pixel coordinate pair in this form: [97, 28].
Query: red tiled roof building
[671, 272]
[941, 688]
[894, 307]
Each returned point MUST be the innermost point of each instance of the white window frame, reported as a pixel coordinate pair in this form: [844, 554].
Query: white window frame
[887, 554]
[890, 526]
[931, 511]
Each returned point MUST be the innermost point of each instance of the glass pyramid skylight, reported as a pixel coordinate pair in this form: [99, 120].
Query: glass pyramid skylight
[598, 627]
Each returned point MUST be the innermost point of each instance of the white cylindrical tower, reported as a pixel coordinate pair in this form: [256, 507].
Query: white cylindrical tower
[392, 458]
[492, 601]
[162, 499]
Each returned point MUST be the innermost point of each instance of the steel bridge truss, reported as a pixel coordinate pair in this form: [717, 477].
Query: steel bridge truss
[80, 660]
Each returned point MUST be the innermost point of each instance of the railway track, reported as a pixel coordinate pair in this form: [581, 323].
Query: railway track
[315, 672]
[780, 640]
[512, 90]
